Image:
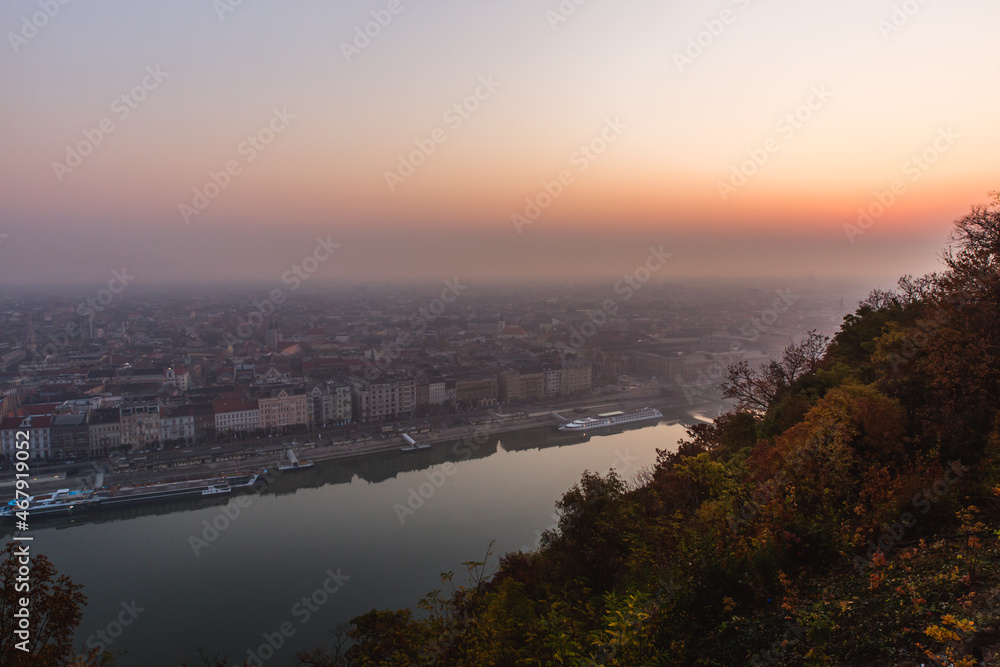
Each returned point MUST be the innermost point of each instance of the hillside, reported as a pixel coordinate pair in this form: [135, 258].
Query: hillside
[844, 514]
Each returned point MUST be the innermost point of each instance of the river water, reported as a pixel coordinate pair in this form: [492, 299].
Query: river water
[348, 536]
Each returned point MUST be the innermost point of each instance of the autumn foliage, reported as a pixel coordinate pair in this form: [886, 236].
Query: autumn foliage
[845, 512]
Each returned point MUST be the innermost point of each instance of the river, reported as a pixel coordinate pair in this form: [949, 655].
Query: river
[348, 536]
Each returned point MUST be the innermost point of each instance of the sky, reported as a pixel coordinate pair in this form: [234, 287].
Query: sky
[219, 140]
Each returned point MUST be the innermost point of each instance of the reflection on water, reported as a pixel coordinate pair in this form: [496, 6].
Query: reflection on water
[352, 534]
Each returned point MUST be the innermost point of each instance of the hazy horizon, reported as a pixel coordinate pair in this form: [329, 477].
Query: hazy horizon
[832, 105]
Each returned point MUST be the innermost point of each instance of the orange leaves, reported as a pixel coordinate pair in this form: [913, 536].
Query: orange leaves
[878, 574]
[952, 633]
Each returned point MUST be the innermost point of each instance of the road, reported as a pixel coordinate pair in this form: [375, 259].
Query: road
[323, 444]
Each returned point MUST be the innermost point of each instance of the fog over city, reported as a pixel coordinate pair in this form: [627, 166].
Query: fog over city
[534, 332]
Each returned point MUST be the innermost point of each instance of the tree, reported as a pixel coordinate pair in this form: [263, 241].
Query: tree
[973, 258]
[332, 657]
[54, 611]
[915, 290]
[759, 390]
[384, 638]
[880, 299]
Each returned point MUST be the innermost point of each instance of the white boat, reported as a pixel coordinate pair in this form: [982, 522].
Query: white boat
[609, 419]
[57, 503]
[294, 463]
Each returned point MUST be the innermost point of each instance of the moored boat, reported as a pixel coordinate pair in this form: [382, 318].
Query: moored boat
[160, 491]
[58, 503]
[609, 419]
[244, 480]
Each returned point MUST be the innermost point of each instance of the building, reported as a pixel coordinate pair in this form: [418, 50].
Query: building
[139, 423]
[315, 397]
[512, 333]
[423, 395]
[532, 383]
[337, 406]
[384, 399]
[70, 436]
[553, 380]
[243, 373]
[141, 375]
[282, 408]
[272, 376]
[665, 367]
[39, 436]
[330, 403]
[105, 431]
[476, 390]
[204, 421]
[272, 337]
[179, 377]
[437, 392]
[509, 386]
[487, 328]
[236, 416]
[577, 378]
[526, 383]
[177, 424]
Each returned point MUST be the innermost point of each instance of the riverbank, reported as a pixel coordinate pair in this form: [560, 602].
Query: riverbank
[233, 460]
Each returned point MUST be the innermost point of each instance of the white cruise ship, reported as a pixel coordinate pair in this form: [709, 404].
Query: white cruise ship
[609, 419]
